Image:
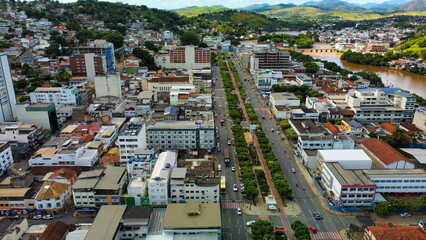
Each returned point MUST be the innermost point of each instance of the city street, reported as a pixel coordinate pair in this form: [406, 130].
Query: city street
[303, 194]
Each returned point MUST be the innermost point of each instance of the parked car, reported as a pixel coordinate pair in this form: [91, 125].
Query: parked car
[278, 132]
[263, 117]
[406, 214]
[229, 141]
[249, 223]
[38, 217]
[314, 230]
[233, 169]
[317, 216]
[282, 137]
[48, 217]
[235, 188]
[293, 170]
[272, 130]
[239, 212]
[219, 167]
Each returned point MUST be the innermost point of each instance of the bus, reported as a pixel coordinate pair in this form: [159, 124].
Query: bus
[222, 184]
[226, 156]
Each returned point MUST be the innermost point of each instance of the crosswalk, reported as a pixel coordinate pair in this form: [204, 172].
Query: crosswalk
[231, 205]
[326, 236]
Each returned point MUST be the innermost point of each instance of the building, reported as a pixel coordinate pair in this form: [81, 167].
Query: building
[52, 196]
[198, 134]
[63, 175]
[349, 159]
[21, 133]
[131, 138]
[56, 231]
[284, 99]
[305, 128]
[167, 35]
[371, 46]
[7, 91]
[60, 96]
[352, 127]
[14, 231]
[158, 183]
[398, 181]
[42, 115]
[265, 79]
[186, 57]
[16, 200]
[163, 84]
[108, 85]
[386, 155]
[388, 231]
[88, 65]
[201, 219]
[347, 188]
[420, 118]
[266, 57]
[302, 79]
[99, 48]
[6, 158]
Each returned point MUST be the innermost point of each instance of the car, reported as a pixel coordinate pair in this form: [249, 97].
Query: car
[249, 223]
[282, 137]
[278, 132]
[229, 141]
[263, 117]
[243, 190]
[406, 214]
[291, 198]
[220, 106]
[219, 167]
[314, 230]
[38, 217]
[235, 188]
[48, 217]
[317, 216]
[239, 212]
[233, 169]
[293, 170]
[272, 130]
[241, 185]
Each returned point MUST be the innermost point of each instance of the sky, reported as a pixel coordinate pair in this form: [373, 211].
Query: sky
[176, 4]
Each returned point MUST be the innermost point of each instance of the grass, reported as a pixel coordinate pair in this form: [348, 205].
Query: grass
[195, 11]
[295, 11]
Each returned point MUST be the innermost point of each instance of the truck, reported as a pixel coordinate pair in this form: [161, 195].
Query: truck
[226, 157]
[222, 120]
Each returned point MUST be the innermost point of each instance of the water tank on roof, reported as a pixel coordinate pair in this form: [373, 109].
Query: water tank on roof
[157, 178]
[167, 165]
[133, 159]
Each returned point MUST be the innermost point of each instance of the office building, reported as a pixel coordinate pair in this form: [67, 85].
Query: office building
[60, 96]
[6, 158]
[7, 91]
[39, 114]
[101, 50]
[131, 139]
[265, 57]
[186, 57]
[88, 65]
[398, 181]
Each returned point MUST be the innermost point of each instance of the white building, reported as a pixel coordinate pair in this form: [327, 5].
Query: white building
[7, 91]
[60, 96]
[284, 99]
[420, 118]
[108, 85]
[349, 159]
[107, 135]
[158, 183]
[6, 158]
[302, 79]
[184, 188]
[347, 188]
[131, 138]
[52, 196]
[167, 35]
[265, 79]
[398, 181]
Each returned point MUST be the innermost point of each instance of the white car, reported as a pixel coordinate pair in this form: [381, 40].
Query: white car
[38, 217]
[48, 217]
[235, 188]
[233, 169]
[239, 212]
[249, 223]
[293, 170]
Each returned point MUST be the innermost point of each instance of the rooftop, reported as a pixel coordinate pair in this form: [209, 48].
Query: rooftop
[383, 151]
[111, 179]
[395, 173]
[192, 215]
[305, 126]
[337, 155]
[388, 231]
[51, 190]
[55, 231]
[284, 96]
[348, 177]
[106, 222]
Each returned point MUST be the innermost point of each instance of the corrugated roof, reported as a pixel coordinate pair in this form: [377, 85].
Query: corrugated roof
[388, 127]
[111, 179]
[55, 231]
[106, 222]
[51, 190]
[184, 216]
[13, 192]
[383, 151]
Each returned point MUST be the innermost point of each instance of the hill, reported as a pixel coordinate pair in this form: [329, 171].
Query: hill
[255, 6]
[273, 7]
[195, 11]
[297, 11]
[384, 5]
[415, 5]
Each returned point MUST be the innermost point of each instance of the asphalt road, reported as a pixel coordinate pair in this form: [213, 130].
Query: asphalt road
[306, 199]
[233, 225]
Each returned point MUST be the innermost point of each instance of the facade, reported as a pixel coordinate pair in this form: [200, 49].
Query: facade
[99, 48]
[52, 196]
[302, 79]
[108, 85]
[376, 47]
[7, 91]
[131, 138]
[266, 57]
[60, 96]
[352, 127]
[42, 115]
[187, 57]
[347, 188]
[6, 158]
[385, 154]
[16, 201]
[398, 181]
[265, 79]
[158, 183]
[88, 65]
[420, 118]
[284, 99]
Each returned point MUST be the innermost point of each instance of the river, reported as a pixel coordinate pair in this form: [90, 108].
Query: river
[390, 77]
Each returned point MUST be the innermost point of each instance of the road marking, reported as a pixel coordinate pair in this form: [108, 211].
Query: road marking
[326, 236]
[231, 205]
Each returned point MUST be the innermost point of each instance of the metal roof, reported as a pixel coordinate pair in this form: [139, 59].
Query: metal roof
[106, 222]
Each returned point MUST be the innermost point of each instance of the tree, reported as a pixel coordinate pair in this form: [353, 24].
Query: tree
[423, 200]
[262, 230]
[146, 59]
[395, 203]
[399, 139]
[24, 99]
[311, 67]
[56, 84]
[382, 209]
[202, 45]
[151, 46]
[21, 83]
[189, 37]
[53, 50]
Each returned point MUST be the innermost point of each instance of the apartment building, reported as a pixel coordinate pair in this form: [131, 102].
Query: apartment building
[23, 137]
[6, 158]
[183, 134]
[7, 91]
[186, 57]
[398, 181]
[303, 79]
[88, 65]
[60, 96]
[420, 118]
[108, 85]
[101, 50]
[131, 138]
[266, 57]
[158, 183]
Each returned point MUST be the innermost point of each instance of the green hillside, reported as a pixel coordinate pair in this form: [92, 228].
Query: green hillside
[302, 11]
[195, 11]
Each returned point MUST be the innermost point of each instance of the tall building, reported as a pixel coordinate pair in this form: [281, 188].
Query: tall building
[88, 65]
[108, 85]
[99, 48]
[187, 57]
[42, 115]
[7, 91]
[60, 96]
[266, 57]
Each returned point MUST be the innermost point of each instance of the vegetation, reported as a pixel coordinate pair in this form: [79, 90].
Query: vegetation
[300, 230]
[399, 139]
[190, 37]
[194, 11]
[301, 40]
[374, 79]
[365, 59]
[262, 230]
[146, 59]
[382, 209]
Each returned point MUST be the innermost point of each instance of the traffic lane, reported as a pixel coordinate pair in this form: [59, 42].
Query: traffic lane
[233, 224]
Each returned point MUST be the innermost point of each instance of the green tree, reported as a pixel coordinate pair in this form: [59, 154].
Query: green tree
[56, 84]
[202, 45]
[21, 83]
[151, 46]
[311, 67]
[146, 59]
[423, 200]
[382, 209]
[262, 230]
[53, 50]
[190, 37]
[395, 203]
[24, 99]
[399, 139]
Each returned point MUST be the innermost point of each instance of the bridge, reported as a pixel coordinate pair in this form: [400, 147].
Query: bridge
[315, 50]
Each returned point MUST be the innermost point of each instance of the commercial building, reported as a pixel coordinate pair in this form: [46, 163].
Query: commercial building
[347, 188]
[100, 48]
[88, 65]
[16, 200]
[52, 196]
[201, 219]
[187, 57]
[6, 158]
[163, 84]
[420, 118]
[60, 96]
[349, 159]
[42, 115]
[21, 133]
[158, 183]
[372, 46]
[196, 134]
[385, 154]
[266, 57]
[302, 79]
[131, 138]
[7, 91]
[284, 99]
[265, 79]
[108, 85]
[398, 181]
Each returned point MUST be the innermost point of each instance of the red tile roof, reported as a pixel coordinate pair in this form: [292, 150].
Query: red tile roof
[383, 151]
[388, 231]
[410, 127]
[42, 170]
[108, 158]
[87, 138]
[333, 129]
[169, 79]
[389, 127]
[55, 231]
[64, 172]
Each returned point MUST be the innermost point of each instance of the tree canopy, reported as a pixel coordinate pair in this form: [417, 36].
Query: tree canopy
[190, 37]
